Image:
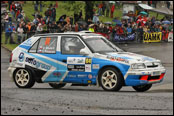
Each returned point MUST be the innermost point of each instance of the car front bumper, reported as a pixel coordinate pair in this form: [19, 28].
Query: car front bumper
[142, 77]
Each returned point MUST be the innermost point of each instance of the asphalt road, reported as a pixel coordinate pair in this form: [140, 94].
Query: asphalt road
[72, 100]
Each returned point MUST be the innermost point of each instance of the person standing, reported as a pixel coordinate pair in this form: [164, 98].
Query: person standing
[40, 6]
[112, 10]
[53, 13]
[20, 34]
[39, 28]
[25, 28]
[6, 20]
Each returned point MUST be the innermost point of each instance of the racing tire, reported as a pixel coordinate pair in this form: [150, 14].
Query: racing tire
[110, 79]
[23, 78]
[57, 85]
[142, 88]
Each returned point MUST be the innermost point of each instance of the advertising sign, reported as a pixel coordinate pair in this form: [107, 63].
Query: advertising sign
[170, 37]
[152, 37]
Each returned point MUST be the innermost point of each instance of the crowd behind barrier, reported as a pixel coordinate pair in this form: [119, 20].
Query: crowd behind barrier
[133, 29]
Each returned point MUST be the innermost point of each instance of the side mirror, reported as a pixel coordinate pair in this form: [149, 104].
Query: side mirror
[84, 52]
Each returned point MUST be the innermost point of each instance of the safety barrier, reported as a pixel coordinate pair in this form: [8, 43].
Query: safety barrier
[117, 38]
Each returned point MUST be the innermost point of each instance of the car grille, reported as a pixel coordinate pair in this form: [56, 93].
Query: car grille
[152, 66]
[153, 77]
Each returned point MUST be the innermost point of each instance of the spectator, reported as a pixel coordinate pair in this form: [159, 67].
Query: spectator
[25, 29]
[36, 5]
[71, 20]
[8, 34]
[100, 9]
[40, 6]
[20, 34]
[6, 20]
[53, 13]
[95, 19]
[33, 29]
[112, 10]
[91, 28]
[129, 29]
[103, 8]
[13, 9]
[39, 28]
[28, 30]
[68, 20]
[76, 27]
[140, 33]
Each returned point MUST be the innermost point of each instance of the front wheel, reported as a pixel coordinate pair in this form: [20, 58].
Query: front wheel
[57, 85]
[23, 78]
[110, 79]
[142, 88]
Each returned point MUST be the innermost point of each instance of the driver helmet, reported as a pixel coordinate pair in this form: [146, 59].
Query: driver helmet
[68, 45]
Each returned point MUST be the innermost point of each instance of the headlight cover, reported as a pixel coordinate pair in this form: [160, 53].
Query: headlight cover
[158, 63]
[138, 66]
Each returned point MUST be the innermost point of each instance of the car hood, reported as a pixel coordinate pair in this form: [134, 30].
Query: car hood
[129, 57]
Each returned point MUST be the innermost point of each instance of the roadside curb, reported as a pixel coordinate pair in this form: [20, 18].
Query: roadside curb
[6, 48]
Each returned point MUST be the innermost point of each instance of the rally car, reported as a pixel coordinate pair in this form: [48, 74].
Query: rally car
[81, 59]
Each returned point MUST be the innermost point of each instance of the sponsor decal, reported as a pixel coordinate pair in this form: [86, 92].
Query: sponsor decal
[58, 74]
[81, 75]
[72, 76]
[21, 57]
[79, 60]
[75, 60]
[37, 63]
[89, 81]
[20, 64]
[76, 68]
[114, 58]
[95, 66]
[70, 66]
[88, 68]
[90, 76]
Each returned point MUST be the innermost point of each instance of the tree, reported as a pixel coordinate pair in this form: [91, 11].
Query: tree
[89, 10]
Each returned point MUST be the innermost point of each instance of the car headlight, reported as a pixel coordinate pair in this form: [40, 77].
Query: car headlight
[138, 66]
[158, 63]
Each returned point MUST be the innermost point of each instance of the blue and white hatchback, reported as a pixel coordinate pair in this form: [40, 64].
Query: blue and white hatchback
[81, 59]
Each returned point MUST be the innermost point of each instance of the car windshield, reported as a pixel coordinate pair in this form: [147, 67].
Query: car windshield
[100, 44]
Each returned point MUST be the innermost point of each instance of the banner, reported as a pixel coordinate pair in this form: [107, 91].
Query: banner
[122, 38]
[170, 37]
[152, 37]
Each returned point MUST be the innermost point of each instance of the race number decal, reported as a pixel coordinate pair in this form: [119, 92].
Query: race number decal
[88, 61]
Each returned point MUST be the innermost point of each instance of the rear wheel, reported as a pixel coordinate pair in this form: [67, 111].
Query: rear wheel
[57, 85]
[110, 79]
[142, 88]
[23, 78]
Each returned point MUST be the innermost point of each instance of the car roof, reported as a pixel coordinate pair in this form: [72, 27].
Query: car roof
[69, 33]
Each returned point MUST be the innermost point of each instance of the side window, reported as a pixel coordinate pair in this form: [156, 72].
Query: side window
[71, 45]
[47, 45]
[34, 47]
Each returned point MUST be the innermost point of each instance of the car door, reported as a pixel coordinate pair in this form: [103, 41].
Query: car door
[44, 56]
[78, 68]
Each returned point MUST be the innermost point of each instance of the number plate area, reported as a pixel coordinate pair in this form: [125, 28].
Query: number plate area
[156, 73]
